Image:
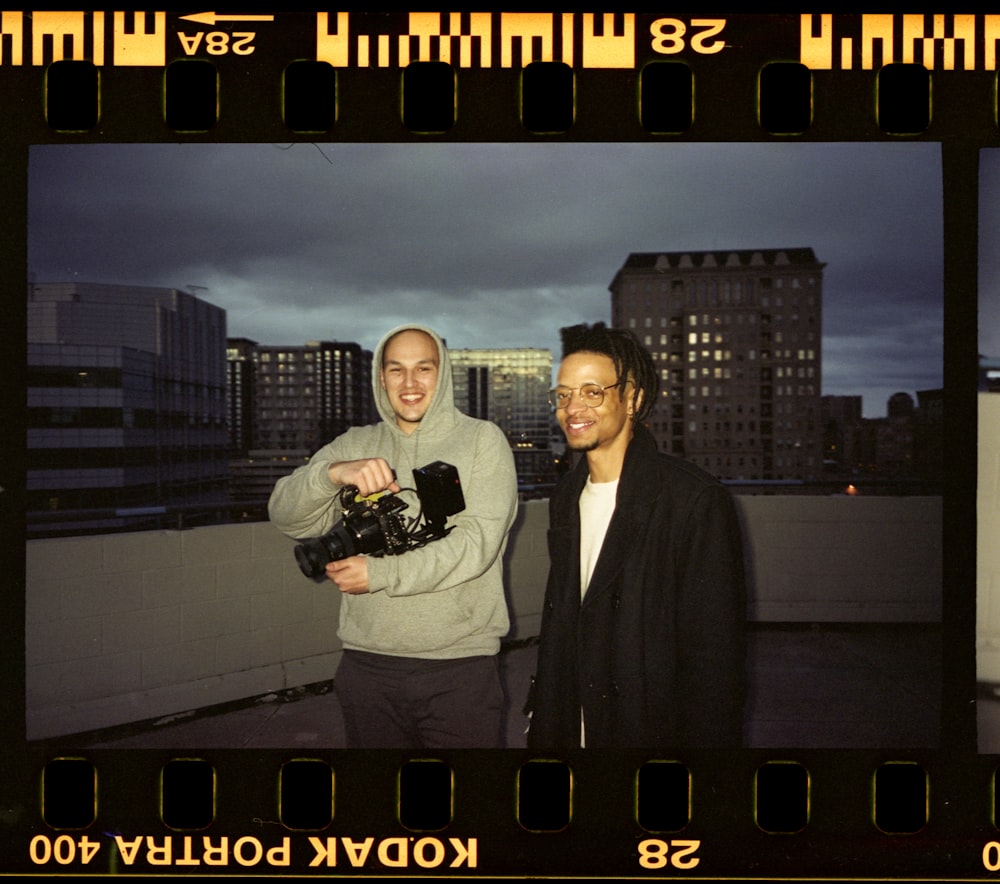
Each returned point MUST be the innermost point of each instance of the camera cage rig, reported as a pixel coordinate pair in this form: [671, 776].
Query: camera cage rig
[378, 517]
[439, 493]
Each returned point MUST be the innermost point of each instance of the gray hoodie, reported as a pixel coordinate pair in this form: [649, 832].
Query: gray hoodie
[445, 599]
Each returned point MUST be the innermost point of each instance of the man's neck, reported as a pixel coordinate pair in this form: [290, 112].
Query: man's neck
[605, 466]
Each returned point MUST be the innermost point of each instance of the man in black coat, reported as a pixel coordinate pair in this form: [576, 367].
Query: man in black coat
[643, 640]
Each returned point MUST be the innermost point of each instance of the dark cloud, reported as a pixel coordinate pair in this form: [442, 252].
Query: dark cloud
[498, 244]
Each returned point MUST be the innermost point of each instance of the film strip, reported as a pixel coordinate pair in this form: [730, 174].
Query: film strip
[926, 811]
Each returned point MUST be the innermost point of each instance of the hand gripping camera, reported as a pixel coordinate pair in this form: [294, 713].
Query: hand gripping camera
[373, 525]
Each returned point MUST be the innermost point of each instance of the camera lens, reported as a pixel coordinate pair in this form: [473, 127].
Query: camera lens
[338, 544]
[312, 558]
[314, 554]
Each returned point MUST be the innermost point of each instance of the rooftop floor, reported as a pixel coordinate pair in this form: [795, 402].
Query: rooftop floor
[810, 686]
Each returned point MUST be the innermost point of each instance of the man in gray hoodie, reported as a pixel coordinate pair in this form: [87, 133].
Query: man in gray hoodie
[421, 630]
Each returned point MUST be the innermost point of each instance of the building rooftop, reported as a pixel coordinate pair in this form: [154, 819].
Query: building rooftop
[720, 258]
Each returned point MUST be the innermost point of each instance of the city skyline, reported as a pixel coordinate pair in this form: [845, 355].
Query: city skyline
[498, 245]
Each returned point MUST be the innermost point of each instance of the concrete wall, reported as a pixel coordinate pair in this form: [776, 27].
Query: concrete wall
[843, 559]
[988, 544]
[128, 627]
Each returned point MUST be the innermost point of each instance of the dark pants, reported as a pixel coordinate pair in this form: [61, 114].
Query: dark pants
[403, 702]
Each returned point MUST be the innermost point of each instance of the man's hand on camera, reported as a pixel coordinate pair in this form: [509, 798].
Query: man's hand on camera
[369, 475]
[350, 574]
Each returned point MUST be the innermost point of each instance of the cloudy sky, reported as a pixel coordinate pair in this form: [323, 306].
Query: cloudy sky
[499, 245]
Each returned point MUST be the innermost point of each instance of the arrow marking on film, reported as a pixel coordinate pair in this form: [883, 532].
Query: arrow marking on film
[212, 18]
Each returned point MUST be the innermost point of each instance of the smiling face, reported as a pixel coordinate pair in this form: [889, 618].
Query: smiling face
[409, 376]
[605, 430]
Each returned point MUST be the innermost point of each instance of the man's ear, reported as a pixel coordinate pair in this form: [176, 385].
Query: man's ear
[635, 403]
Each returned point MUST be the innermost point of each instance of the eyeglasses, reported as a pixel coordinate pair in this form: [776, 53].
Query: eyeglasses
[592, 395]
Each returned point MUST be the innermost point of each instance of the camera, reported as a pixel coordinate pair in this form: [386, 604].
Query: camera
[374, 525]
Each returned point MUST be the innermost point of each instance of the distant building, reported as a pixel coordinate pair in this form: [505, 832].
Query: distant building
[307, 395]
[126, 395]
[737, 339]
[510, 387]
[286, 402]
[900, 405]
[842, 420]
[241, 382]
[253, 474]
[887, 445]
[928, 435]
[906, 443]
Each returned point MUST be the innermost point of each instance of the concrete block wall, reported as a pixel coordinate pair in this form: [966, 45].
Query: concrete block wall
[988, 541]
[129, 627]
[126, 627]
[843, 559]
[526, 568]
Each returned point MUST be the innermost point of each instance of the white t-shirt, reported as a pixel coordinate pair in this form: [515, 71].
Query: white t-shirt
[597, 505]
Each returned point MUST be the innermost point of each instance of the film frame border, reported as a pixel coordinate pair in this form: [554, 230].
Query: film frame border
[961, 798]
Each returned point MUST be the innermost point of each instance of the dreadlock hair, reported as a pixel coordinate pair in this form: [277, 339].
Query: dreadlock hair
[632, 360]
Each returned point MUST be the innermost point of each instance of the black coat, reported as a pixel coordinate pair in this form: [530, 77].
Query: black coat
[656, 652]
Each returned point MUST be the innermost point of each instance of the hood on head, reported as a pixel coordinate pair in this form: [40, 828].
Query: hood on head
[444, 393]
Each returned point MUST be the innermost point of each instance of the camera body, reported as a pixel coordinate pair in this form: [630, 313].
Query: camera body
[374, 525]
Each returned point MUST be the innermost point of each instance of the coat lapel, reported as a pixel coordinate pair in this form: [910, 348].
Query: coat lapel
[634, 496]
[617, 548]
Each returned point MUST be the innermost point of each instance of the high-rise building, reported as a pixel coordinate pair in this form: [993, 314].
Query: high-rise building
[510, 387]
[126, 394]
[285, 402]
[308, 395]
[507, 386]
[737, 339]
[241, 380]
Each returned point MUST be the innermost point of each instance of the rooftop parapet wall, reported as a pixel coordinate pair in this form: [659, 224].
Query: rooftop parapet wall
[150, 624]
